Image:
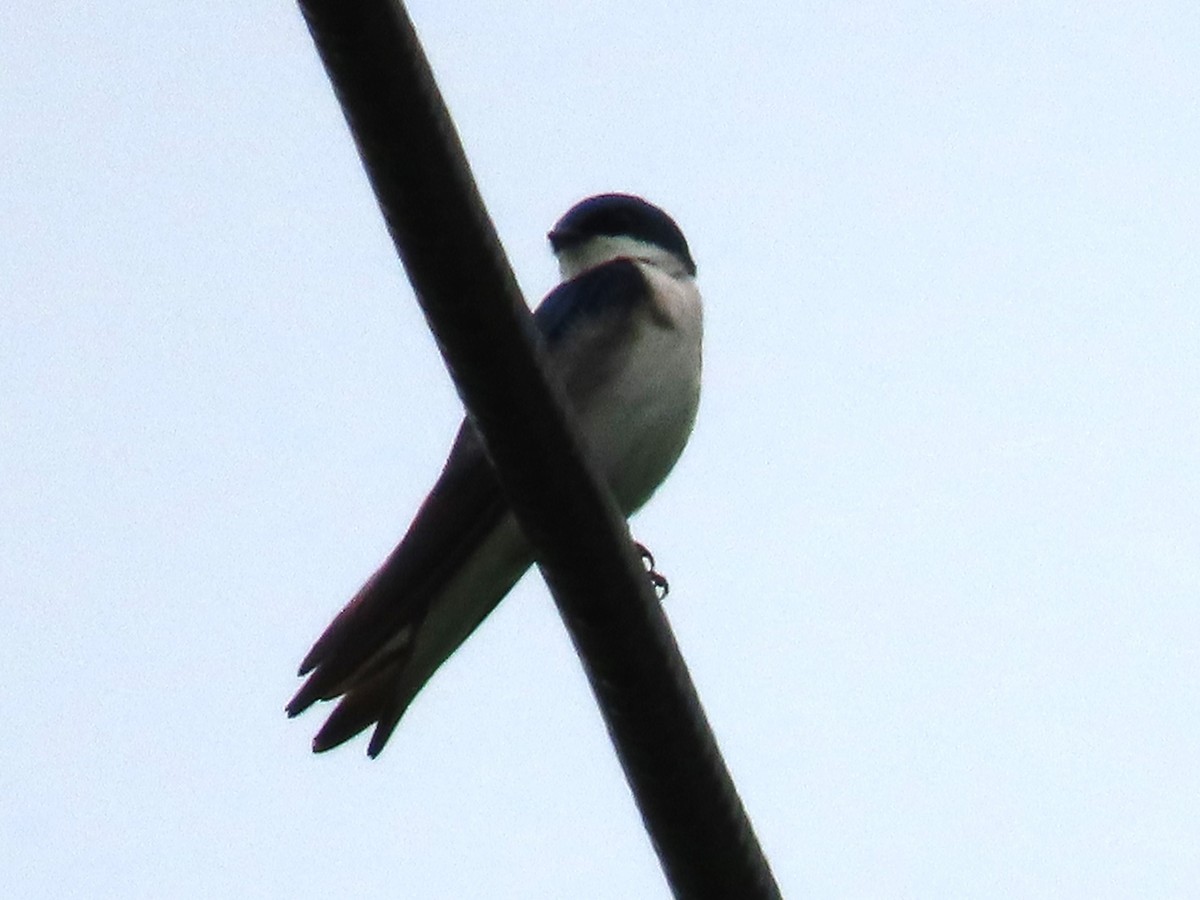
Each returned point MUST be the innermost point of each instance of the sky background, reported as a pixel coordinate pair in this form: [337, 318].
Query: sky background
[934, 547]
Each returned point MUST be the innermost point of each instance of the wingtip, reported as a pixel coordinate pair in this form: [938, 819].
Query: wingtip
[334, 732]
[293, 709]
[385, 726]
[320, 746]
[376, 745]
[303, 699]
[310, 661]
[324, 745]
[329, 736]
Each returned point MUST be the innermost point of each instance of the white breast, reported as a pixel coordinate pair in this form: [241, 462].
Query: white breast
[638, 424]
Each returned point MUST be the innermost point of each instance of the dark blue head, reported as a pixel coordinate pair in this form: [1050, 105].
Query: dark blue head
[620, 216]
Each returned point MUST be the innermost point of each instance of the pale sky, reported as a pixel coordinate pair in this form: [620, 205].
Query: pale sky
[934, 548]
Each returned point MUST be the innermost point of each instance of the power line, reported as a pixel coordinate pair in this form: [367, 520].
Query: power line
[471, 301]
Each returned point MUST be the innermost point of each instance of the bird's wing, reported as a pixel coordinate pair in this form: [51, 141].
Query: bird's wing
[364, 652]
[373, 634]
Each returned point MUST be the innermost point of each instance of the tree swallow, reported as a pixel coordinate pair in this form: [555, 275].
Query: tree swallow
[622, 331]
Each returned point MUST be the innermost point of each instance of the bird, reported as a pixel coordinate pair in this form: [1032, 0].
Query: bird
[623, 332]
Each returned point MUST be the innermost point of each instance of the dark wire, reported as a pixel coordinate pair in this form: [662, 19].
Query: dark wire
[471, 301]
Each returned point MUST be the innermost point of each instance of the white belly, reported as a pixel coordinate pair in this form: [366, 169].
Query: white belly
[638, 424]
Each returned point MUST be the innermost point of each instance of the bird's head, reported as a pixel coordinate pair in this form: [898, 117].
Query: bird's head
[612, 226]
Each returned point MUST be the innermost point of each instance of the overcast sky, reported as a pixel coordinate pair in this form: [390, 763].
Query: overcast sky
[934, 548]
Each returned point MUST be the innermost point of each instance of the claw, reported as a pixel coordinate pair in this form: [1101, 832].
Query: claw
[647, 556]
[661, 586]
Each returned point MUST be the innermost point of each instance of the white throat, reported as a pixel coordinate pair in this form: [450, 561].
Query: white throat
[576, 260]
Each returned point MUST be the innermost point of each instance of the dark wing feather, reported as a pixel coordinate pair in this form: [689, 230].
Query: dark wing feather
[464, 505]
[358, 655]
[614, 288]
[585, 324]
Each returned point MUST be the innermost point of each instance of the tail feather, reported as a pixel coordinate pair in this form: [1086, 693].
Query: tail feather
[362, 706]
[303, 699]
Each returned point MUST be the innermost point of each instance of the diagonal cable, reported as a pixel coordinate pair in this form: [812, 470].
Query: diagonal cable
[471, 301]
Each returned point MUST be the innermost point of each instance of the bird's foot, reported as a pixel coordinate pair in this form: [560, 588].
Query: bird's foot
[661, 586]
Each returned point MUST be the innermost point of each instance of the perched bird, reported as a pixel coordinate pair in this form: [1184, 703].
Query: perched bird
[623, 332]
